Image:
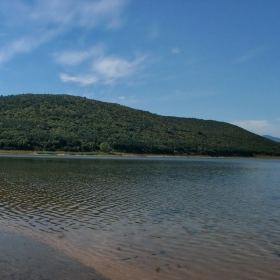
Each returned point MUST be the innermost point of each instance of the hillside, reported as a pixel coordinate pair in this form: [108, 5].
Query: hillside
[45, 122]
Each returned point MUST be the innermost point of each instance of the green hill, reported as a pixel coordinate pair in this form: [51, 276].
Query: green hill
[45, 122]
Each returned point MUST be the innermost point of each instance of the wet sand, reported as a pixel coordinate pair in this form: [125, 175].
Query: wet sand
[24, 258]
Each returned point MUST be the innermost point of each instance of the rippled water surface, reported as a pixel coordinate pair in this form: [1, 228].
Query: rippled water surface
[149, 218]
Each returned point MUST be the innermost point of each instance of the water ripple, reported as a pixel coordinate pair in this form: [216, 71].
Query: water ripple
[176, 219]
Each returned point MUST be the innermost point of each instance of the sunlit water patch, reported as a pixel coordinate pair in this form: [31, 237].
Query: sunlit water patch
[150, 218]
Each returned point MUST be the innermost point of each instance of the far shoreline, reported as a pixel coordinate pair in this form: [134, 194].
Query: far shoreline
[120, 154]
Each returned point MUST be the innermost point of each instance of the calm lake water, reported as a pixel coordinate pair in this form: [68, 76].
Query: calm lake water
[149, 218]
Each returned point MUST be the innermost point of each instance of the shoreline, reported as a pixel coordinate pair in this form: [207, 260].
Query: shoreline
[119, 154]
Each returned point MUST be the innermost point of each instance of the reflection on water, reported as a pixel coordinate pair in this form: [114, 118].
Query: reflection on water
[150, 218]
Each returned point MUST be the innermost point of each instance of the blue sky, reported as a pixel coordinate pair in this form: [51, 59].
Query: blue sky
[207, 59]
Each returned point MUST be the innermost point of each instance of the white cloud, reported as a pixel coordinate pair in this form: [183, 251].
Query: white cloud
[261, 127]
[112, 68]
[176, 50]
[40, 21]
[84, 80]
[105, 69]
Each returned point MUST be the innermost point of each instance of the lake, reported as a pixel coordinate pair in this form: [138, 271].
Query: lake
[147, 218]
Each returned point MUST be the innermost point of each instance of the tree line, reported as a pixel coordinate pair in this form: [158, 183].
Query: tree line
[44, 122]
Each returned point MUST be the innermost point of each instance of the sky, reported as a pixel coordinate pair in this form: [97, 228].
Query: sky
[206, 59]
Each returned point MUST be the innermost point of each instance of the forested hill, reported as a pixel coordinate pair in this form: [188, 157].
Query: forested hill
[44, 122]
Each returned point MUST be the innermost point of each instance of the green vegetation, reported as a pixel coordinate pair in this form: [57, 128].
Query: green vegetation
[44, 122]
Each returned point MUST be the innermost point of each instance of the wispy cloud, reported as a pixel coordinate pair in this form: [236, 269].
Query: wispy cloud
[106, 69]
[54, 13]
[256, 124]
[84, 80]
[261, 127]
[40, 21]
[76, 57]
[175, 50]
[250, 55]
[78, 13]
[23, 45]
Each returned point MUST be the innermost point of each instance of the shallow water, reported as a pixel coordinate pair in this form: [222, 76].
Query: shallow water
[24, 258]
[149, 218]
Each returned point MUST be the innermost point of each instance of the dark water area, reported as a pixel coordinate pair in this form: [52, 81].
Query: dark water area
[148, 218]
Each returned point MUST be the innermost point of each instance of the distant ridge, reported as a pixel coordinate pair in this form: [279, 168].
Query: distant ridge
[46, 122]
[272, 138]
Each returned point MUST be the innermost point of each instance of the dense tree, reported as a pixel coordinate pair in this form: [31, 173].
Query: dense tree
[105, 147]
[45, 122]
